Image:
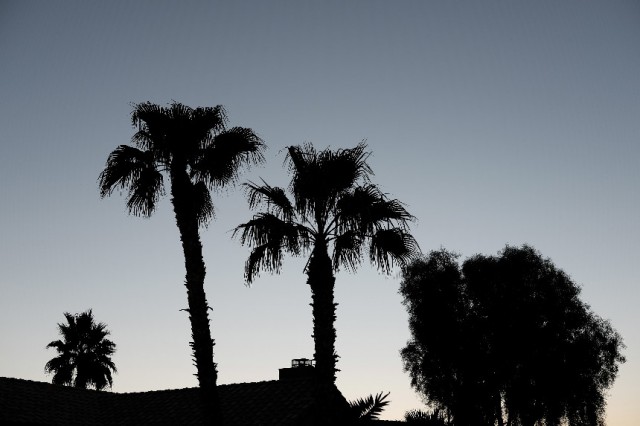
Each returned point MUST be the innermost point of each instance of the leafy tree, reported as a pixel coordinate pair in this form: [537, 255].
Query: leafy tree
[336, 214]
[194, 148]
[506, 339]
[84, 353]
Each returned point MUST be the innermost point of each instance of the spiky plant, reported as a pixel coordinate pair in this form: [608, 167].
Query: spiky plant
[370, 407]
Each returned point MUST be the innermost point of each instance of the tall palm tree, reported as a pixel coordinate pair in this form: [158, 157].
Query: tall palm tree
[84, 353]
[198, 153]
[336, 214]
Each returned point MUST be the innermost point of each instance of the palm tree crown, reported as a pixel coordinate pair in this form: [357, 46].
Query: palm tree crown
[84, 353]
[173, 140]
[198, 153]
[338, 215]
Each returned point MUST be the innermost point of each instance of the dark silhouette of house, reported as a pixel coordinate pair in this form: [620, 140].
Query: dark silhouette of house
[291, 400]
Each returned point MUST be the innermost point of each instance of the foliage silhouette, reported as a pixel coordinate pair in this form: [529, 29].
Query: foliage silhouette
[334, 209]
[84, 353]
[198, 153]
[369, 408]
[426, 418]
[506, 339]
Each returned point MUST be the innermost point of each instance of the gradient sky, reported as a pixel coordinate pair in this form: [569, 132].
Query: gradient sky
[495, 122]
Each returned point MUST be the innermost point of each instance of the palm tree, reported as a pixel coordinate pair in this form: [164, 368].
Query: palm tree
[198, 153]
[335, 209]
[84, 353]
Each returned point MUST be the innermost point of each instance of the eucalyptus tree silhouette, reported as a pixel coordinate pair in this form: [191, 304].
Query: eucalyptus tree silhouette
[84, 353]
[198, 153]
[334, 207]
[506, 340]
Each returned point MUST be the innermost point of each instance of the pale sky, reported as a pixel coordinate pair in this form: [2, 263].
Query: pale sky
[495, 122]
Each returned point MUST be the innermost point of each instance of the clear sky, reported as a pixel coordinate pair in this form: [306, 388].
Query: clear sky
[495, 122]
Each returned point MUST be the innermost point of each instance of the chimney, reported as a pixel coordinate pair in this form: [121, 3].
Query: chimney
[301, 368]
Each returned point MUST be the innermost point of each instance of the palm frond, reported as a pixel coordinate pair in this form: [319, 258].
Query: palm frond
[221, 161]
[320, 177]
[193, 130]
[300, 157]
[301, 162]
[214, 119]
[266, 256]
[143, 140]
[202, 203]
[123, 166]
[369, 408]
[270, 236]
[135, 170]
[264, 227]
[176, 130]
[275, 198]
[62, 369]
[152, 121]
[392, 246]
[145, 192]
[347, 250]
[369, 210]
[57, 344]
[144, 112]
[346, 167]
[180, 111]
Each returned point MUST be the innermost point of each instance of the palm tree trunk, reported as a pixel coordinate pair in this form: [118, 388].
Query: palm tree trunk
[499, 409]
[202, 344]
[321, 280]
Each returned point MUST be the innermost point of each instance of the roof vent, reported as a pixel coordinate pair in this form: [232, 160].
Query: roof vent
[301, 368]
[301, 363]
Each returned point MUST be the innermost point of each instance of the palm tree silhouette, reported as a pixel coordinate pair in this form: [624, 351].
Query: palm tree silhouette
[198, 153]
[335, 209]
[84, 353]
[368, 409]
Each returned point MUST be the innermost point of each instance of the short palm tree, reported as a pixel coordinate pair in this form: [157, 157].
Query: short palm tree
[84, 353]
[335, 214]
[198, 153]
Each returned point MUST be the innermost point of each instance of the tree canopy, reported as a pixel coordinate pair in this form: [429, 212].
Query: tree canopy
[506, 339]
[84, 353]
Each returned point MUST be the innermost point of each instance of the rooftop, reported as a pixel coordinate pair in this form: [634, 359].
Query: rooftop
[277, 402]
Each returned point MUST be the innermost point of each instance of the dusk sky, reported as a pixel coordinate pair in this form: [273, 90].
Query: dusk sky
[495, 122]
